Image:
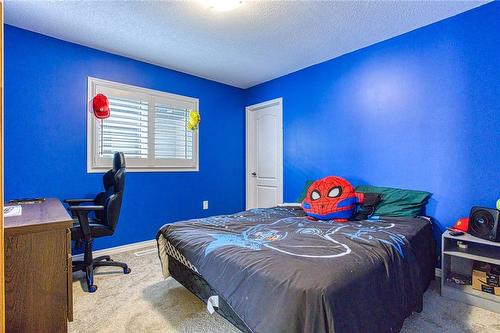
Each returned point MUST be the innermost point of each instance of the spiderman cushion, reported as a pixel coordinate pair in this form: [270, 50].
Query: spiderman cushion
[331, 198]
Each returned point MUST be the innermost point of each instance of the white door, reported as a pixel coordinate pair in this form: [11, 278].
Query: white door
[264, 180]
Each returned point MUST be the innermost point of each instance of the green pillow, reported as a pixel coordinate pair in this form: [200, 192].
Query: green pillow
[304, 190]
[396, 201]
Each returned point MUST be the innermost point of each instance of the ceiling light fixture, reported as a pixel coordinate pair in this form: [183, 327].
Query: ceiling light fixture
[222, 5]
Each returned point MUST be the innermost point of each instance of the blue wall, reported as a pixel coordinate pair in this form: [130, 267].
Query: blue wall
[45, 135]
[419, 111]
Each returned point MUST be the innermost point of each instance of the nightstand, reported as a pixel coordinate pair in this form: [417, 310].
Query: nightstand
[458, 260]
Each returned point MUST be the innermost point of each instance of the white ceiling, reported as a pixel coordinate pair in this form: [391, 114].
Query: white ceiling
[258, 41]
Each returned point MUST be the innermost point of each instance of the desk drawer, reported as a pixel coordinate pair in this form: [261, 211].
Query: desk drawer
[35, 280]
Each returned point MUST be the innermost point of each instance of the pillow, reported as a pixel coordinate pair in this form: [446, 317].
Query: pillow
[304, 190]
[331, 198]
[367, 208]
[397, 202]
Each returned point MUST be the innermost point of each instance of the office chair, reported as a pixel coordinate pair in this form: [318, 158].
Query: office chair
[106, 208]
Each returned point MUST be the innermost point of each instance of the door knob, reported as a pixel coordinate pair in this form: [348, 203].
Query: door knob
[254, 174]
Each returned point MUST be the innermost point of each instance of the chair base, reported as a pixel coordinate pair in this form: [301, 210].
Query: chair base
[88, 265]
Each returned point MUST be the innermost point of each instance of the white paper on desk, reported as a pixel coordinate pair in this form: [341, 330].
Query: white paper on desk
[10, 211]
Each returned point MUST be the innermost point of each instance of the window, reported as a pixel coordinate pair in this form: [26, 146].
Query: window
[148, 126]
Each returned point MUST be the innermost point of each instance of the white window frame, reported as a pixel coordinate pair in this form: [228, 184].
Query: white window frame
[96, 164]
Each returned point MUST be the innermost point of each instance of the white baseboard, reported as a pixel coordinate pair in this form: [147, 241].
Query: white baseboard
[118, 249]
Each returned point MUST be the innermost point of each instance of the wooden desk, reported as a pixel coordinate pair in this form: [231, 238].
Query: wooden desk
[38, 276]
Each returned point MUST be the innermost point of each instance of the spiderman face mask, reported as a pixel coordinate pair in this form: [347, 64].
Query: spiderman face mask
[331, 198]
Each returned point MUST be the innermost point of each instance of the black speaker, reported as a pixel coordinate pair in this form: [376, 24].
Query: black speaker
[485, 223]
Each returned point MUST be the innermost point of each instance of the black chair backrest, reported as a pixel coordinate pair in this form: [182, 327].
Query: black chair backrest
[108, 178]
[114, 184]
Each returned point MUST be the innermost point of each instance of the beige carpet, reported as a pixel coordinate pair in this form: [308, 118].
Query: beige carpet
[145, 302]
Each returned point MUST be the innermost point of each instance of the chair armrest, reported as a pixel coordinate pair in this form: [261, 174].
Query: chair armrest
[78, 201]
[85, 208]
[82, 213]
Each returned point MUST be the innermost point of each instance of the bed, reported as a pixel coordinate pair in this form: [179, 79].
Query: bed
[274, 270]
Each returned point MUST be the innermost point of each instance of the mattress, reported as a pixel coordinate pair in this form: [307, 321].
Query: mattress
[277, 271]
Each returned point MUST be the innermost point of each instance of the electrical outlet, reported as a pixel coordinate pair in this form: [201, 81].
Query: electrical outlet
[205, 204]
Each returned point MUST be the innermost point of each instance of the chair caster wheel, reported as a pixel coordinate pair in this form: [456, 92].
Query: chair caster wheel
[92, 288]
[126, 270]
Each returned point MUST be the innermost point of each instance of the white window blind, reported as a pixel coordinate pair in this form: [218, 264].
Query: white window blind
[172, 140]
[126, 129]
[148, 126]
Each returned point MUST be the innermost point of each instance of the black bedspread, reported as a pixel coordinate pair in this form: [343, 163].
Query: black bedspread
[283, 273]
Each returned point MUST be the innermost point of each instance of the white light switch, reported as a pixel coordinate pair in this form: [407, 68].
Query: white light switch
[205, 204]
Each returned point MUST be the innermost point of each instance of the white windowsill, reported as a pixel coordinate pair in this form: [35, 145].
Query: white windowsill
[143, 169]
